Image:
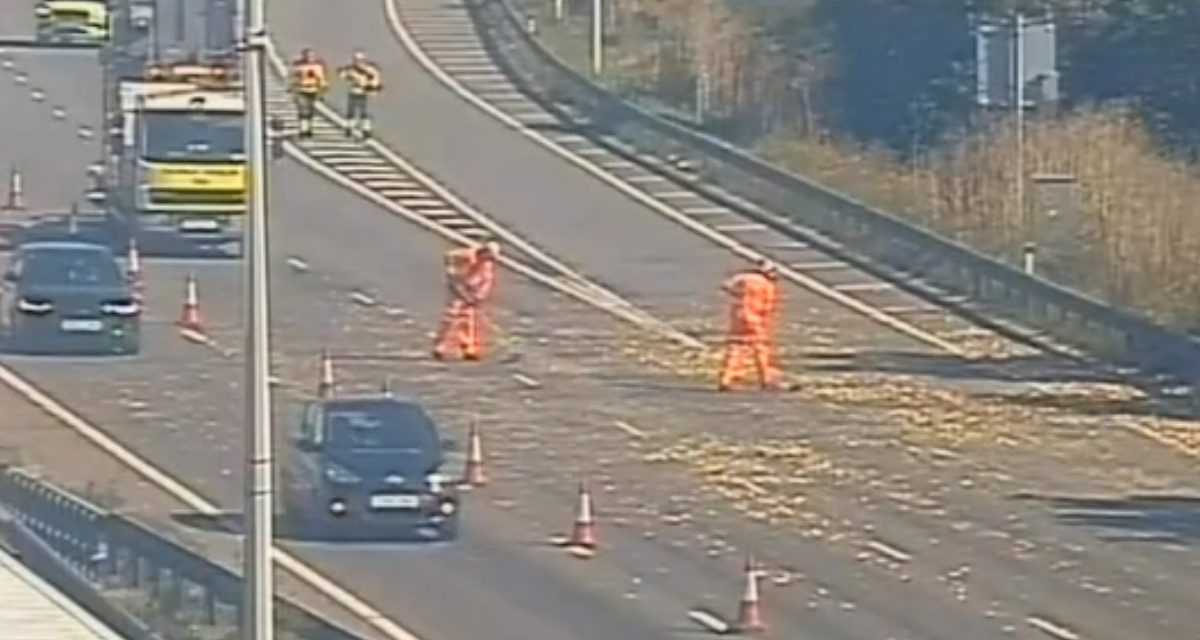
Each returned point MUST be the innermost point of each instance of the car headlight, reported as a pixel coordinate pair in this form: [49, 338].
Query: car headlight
[436, 482]
[338, 475]
[124, 309]
[34, 306]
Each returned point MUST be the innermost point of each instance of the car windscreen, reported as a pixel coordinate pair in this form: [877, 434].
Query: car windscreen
[392, 427]
[192, 136]
[71, 268]
[71, 15]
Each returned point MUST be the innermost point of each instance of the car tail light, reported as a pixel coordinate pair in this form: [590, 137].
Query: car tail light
[123, 308]
[34, 307]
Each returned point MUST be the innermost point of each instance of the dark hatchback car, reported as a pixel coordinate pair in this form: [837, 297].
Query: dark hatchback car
[371, 466]
[68, 298]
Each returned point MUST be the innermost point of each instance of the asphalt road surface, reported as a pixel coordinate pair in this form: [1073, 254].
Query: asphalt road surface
[815, 491]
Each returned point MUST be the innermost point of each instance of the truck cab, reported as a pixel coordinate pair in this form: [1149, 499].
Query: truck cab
[177, 163]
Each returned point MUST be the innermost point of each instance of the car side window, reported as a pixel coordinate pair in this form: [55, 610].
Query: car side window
[310, 426]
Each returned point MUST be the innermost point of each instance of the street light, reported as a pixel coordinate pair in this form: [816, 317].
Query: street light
[259, 600]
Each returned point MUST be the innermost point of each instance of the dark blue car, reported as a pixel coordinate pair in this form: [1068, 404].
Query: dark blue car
[375, 465]
[68, 298]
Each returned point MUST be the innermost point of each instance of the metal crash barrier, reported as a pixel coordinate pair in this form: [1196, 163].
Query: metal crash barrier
[872, 239]
[133, 579]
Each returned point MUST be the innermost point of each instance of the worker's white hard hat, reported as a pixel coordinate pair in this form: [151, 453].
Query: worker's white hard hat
[767, 267]
[492, 247]
[359, 56]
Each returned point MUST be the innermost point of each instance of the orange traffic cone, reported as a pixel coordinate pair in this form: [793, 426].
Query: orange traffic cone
[583, 535]
[134, 270]
[189, 319]
[475, 474]
[750, 615]
[16, 191]
[325, 382]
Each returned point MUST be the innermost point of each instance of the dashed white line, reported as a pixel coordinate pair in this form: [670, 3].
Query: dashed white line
[1051, 629]
[630, 429]
[527, 381]
[362, 299]
[38, 95]
[709, 621]
[888, 551]
[297, 264]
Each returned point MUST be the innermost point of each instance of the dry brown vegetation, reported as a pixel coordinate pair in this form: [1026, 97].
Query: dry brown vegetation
[1123, 230]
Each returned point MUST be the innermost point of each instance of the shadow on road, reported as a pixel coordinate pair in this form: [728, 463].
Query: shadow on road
[1154, 518]
[293, 530]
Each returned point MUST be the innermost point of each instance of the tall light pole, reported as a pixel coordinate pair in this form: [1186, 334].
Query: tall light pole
[597, 38]
[1029, 248]
[258, 621]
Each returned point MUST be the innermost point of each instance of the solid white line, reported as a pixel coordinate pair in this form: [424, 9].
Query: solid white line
[896, 324]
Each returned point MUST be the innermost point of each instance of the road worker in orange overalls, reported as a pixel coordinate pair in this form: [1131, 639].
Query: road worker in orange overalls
[470, 280]
[753, 305]
[309, 82]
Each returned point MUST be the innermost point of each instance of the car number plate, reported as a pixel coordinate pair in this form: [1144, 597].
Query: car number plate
[200, 224]
[82, 326]
[395, 502]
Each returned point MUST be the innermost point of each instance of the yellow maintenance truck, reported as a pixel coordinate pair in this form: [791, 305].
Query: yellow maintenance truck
[177, 169]
[81, 22]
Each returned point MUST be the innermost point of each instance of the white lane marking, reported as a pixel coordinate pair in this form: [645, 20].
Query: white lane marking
[709, 621]
[742, 250]
[630, 430]
[888, 551]
[38, 95]
[297, 264]
[1051, 629]
[529, 382]
[363, 299]
[161, 479]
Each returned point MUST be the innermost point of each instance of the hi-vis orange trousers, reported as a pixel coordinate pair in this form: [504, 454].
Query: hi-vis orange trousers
[461, 329]
[748, 344]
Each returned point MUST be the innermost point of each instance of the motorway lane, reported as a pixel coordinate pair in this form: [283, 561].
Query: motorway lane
[310, 225]
[640, 254]
[365, 267]
[434, 128]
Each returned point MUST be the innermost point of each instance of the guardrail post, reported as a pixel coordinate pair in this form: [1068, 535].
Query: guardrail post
[153, 579]
[172, 591]
[209, 607]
